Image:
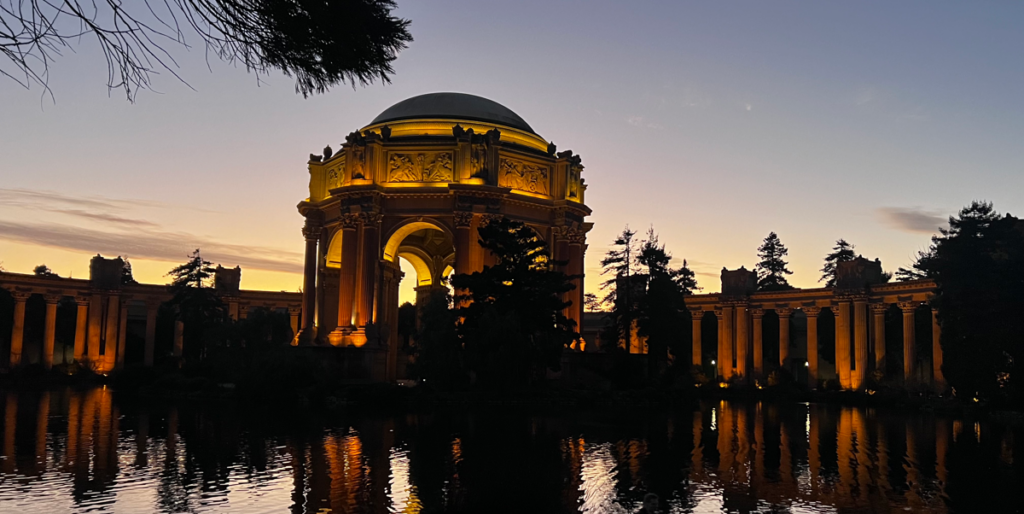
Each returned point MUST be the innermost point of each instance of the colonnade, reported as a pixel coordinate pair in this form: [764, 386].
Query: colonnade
[741, 335]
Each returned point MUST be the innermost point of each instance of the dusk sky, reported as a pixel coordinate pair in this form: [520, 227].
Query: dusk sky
[715, 122]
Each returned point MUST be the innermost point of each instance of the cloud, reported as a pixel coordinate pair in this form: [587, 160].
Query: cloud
[912, 219]
[151, 244]
[51, 200]
[108, 218]
[640, 121]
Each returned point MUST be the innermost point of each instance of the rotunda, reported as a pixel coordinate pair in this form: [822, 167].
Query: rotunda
[417, 183]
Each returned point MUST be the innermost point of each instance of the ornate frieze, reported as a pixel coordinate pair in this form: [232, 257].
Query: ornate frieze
[420, 167]
[524, 176]
[336, 173]
[463, 218]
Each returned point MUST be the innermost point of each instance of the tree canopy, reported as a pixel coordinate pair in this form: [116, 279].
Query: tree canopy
[772, 270]
[512, 314]
[660, 317]
[841, 252]
[322, 44]
[43, 270]
[197, 305]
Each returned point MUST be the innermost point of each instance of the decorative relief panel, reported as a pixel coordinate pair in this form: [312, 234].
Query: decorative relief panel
[420, 167]
[524, 176]
[574, 181]
[336, 174]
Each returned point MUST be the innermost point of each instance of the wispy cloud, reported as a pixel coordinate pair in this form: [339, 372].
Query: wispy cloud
[912, 219]
[640, 121]
[54, 201]
[150, 244]
[106, 218]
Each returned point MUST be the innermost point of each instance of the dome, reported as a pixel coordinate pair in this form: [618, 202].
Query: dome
[454, 106]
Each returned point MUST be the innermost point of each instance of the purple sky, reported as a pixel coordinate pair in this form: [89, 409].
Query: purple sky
[716, 122]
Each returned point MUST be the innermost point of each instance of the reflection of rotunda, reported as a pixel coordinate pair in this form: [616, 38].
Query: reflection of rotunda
[417, 183]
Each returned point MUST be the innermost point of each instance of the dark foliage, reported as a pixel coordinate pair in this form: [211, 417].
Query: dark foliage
[620, 265]
[772, 271]
[406, 324]
[126, 273]
[43, 270]
[841, 252]
[660, 317]
[978, 264]
[197, 305]
[687, 279]
[512, 321]
[322, 44]
[439, 358]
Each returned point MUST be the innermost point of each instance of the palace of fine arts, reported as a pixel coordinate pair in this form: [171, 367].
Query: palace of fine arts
[373, 256]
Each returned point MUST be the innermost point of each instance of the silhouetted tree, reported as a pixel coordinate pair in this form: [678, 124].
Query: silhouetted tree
[687, 279]
[978, 265]
[591, 302]
[841, 252]
[919, 269]
[439, 354]
[321, 43]
[621, 264]
[660, 317]
[43, 270]
[262, 329]
[772, 271]
[126, 273]
[406, 323]
[513, 325]
[196, 305]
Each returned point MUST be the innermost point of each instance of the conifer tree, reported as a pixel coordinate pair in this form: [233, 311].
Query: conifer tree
[196, 305]
[687, 279]
[620, 265]
[660, 317]
[772, 271]
[841, 252]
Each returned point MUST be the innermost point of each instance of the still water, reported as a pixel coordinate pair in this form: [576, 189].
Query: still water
[85, 451]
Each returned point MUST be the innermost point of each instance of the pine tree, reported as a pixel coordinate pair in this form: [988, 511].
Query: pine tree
[659, 314]
[196, 305]
[841, 252]
[687, 280]
[772, 271]
[126, 273]
[43, 270]
[621, 263]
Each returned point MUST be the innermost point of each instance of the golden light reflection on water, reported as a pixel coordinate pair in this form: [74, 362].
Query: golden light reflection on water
[67, 451]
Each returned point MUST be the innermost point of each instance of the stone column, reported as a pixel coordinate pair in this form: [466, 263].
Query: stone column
[95, 329]
[294, 313]
[463, 235]
[347, 279]
[179, 339]
[726, 354]
[742, 340]
[696, 318]
[81, 326]
[860, 341]
[122, 334]
[50, 330]
[784, 316]
[152, 308]
[937, 376]
[18, 331]
[311, 232]
[371, 258]
[719, 359]
[909, 339]
[812, 345]
[110, 338]
[878, 334]
[758, 315]
[843, 344]
[575, 270]
[233, 305]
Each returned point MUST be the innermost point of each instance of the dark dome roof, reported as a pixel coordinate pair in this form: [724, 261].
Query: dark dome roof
[457, 106]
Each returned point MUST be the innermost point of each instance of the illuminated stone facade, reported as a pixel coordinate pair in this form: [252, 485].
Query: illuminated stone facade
[417, 183]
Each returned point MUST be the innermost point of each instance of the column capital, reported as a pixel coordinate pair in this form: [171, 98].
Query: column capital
[487, 219]
[879, 308]
[294, 310]
[811, 312]
[784, 312]
[371, 217]
[697, 313]
[719, 310]
[82, 300]
[757, 312]
[908, 306]
[348, 220]
[52, 298]
[463, 218]
[21, 296]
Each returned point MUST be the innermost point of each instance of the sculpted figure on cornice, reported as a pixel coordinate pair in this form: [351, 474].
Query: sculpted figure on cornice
[524, 176]
[402, 168]
[439, 169]
[358, 159]
[336, 174]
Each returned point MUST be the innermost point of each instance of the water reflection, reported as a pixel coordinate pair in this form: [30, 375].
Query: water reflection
[78, 451]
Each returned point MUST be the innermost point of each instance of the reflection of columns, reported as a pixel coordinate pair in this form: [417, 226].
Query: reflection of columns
[50, 329]
[812, 345]
[10, 426]
[695, 319]
[122, 334]
[784, 316]
[179, 338]
[813, 442]
[909, 339]
[42, 422]
[758, 315]
[18, 331]
[95, 329]
[844, 453]
[937, 375]
[110, 340]
[843, 344]
[311, 232]
[81, 326]
[347, 278]
[725, 353]
[152, 308]
[878, 334]
[941, 445]
[742, 340]
[860, 341]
